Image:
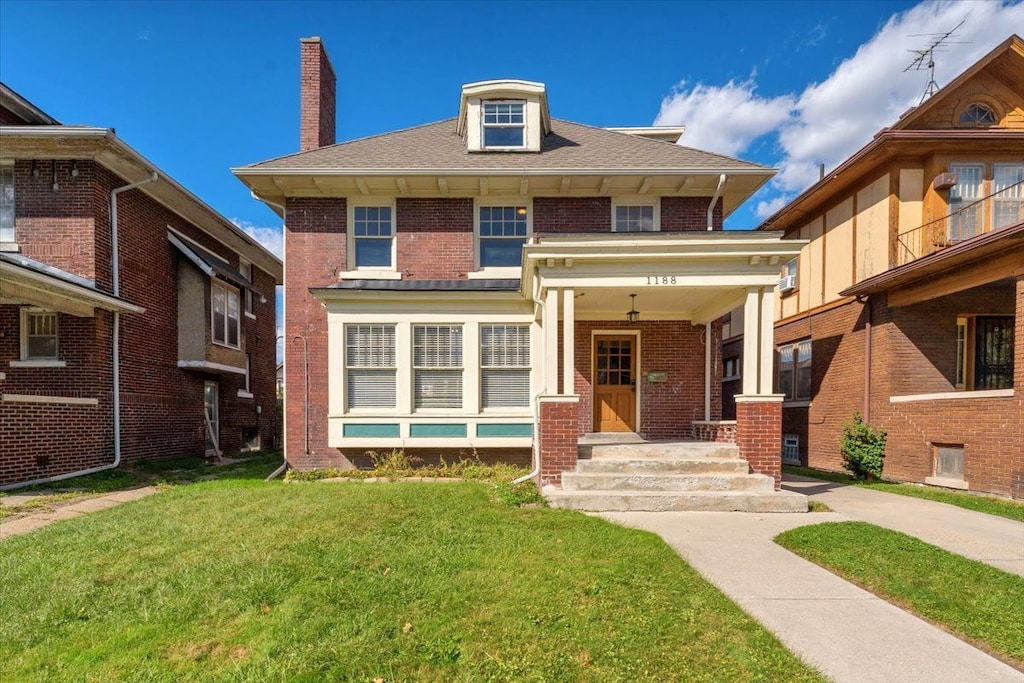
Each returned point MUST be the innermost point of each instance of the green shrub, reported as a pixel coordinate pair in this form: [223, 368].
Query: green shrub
[517, 495]
[863, 449]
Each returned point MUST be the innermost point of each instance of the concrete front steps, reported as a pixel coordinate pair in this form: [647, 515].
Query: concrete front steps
[668, 476]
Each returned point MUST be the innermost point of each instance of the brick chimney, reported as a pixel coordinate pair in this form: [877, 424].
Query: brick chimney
[317, 96]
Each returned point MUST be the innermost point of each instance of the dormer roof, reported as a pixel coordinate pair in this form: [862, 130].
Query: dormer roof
[507, 88]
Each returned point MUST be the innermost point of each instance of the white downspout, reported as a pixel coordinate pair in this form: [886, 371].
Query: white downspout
[536, 401]
[714, 200]
[115, 348]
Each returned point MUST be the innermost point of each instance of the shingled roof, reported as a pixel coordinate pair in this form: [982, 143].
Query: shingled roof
[436, 146]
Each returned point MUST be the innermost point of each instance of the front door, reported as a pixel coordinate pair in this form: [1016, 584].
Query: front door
[615, 383]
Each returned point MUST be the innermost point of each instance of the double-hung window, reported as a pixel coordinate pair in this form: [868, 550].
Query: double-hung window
[437, 366]
[504, 366]
[1007, 195]
[634, 217]
[225, 314]
[373, 230]
[795, 371]
[966, 210]
[370, 366]
[503, 232]
[245, 268]
[504, 125]
[6, 203]
[38, 335]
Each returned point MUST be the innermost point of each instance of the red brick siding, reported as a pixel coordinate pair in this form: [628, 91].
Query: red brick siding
[317, 97]
[435, 238]
[558, 436]
[572, 214]
[683, 214]
[315, 251]
[666, 409]
[759, 436]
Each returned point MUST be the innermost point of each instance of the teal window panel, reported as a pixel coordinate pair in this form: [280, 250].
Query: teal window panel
[438, 430]
[365, 430]
[525, 429]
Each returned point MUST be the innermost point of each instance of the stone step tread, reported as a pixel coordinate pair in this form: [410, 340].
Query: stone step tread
[659, 501]
[659, 451]
[663, 465]
[665, 481]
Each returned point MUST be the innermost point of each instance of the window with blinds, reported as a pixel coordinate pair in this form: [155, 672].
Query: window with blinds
[370, 366]
[504, 366]
[437, 366]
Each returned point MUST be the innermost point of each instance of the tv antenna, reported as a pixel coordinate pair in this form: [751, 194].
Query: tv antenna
[925, 58]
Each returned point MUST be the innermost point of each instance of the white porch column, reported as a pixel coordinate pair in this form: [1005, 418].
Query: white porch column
[549, 320]
[707, 370]
[751, 342]
[767, 349]
[568, 343]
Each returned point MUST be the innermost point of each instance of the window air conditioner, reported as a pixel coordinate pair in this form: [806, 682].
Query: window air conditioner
[787, 284]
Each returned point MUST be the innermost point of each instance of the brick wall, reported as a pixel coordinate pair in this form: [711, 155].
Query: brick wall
[666, 408]
[317, 96]
[683, 214]
[759, 436]
[558, 437]
[572, 214]
[435, 238]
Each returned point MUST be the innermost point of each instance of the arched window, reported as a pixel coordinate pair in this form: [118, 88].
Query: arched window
[978, 114]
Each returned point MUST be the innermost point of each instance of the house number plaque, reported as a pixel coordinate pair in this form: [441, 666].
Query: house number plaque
[661, 279]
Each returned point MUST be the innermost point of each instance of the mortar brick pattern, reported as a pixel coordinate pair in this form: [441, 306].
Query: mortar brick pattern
[759, 436]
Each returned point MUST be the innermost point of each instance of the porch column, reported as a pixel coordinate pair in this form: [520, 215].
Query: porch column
[758, 410]
[568, 343]
[549, 321]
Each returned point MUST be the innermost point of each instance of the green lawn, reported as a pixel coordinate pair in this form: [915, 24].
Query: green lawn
[246, 580]
[971, 599]
[1002, 507]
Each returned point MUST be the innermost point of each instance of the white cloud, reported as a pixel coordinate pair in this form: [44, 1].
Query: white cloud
[831, 120]
[269, 237]
[767, 208]
[723, 119]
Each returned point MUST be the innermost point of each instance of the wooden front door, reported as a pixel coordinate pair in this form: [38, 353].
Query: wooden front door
[615, 383]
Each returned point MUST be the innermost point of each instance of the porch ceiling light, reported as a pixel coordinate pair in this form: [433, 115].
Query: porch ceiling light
[632, 315]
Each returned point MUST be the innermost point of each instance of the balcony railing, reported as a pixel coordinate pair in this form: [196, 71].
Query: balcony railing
[1005, 208]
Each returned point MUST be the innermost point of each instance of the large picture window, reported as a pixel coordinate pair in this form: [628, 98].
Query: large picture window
[794, 380]
[370, 366]
[225, 314]
[437, 366]
[503, 232]
[504, 366]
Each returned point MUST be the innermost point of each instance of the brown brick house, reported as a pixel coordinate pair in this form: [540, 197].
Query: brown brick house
[907, 301]
[135, 321]
[504, 282]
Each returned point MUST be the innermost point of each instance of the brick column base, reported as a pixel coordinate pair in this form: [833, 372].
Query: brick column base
[558, 436]
[759, 434]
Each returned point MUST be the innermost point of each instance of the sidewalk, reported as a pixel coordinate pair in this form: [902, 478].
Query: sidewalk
[847, 633]
[23, 525]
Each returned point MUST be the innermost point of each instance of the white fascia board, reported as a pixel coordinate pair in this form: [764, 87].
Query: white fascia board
[243, 171]
[31, 278]
[364, 296]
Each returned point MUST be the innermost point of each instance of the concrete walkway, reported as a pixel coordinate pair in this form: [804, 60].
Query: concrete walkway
[23, 525]
[985, 538]
[847, 633]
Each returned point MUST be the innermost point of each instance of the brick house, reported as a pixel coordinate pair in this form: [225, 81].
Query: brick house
[135, 321]
[503, 283]
[907, 301]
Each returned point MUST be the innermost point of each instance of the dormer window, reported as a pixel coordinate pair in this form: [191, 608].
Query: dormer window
[504, 125]
[978, 114]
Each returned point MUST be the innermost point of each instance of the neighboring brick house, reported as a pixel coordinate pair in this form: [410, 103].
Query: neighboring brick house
[505, 281]
[103, 363]
[907, 303]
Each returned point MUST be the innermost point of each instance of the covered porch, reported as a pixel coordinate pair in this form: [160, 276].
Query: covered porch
[631, 339]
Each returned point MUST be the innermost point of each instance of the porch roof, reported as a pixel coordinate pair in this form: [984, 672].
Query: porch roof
[27, 281]
[696, 276]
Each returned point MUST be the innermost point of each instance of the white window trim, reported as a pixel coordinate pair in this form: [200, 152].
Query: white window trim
[12, 245]
[215, 282]
[485, 126]
[416, 369]
[248, 296]
[370, 272]
[498, 272]
[638, 201]
[23, 359]
[482, 368]
[343, 350]
[996, 200]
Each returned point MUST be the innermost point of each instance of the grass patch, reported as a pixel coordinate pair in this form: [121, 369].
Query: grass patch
[169, 472]
[817, 506]
[261, 581]
[991, 505]
[970, 599]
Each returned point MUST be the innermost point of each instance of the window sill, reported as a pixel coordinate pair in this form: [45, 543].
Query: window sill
[250, 316]
[369, 275]
[9, 247]
[509, 273]
[38, 364]
[732, 378]
[244, 394]
[226, 346]
[953, 396]
[796, 404]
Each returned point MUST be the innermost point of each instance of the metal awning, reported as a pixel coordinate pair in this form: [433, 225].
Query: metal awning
[208, 262]
[25, 281]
